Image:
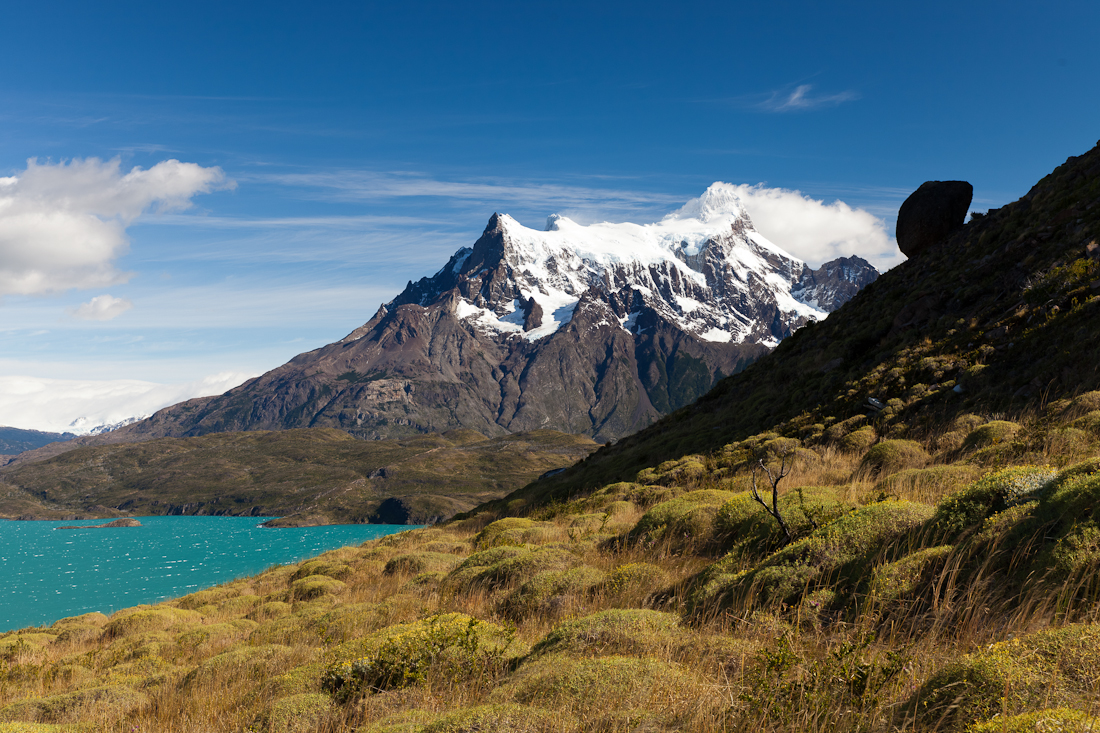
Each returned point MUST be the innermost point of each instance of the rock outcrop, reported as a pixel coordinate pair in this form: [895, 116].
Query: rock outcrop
[931, 213]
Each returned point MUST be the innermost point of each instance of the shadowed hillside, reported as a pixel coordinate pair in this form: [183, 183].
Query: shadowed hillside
[1000, 317]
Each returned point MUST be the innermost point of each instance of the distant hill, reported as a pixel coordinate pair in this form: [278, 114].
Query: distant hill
[317, 476]
[16, 440]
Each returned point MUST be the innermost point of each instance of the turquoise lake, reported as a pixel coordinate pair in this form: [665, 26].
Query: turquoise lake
[48, 573]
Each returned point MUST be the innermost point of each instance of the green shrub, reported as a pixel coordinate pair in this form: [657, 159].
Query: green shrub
[614, 631]
[270, 610]
[499, 719]
[687, 519]
[990, 434]
[836, 557]
[633, 582]
[505, 569]
[551, 593]
[927, 484]
[319, 566]
[902, 578]
[836, 432]
[302, 713]
[210, 633]
[142, 620]
[88, 619]
[72, 707]
[590, 688]
[891, 456]
[859, 440]
[245, 663]
[1050, 668]
[314, 586]
[511, 531]
[421, 562]
[1068, 515]
[1052, 720]
[210, 597]
[450, 646]
[747, 531]
[969, 508]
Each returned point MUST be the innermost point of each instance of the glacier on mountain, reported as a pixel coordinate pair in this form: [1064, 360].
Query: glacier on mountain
[703, 267]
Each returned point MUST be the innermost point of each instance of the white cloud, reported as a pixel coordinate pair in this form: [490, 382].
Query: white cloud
[54, 405]
[63, 225]
[101, 308]
[800, 99]
[818, 232]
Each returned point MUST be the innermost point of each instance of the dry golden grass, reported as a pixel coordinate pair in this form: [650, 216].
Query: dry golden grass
[851, 651]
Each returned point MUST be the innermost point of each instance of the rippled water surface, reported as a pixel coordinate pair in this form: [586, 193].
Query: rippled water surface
[48, 573]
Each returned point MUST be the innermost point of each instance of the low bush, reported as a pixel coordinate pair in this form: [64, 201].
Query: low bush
[314, 586]
[141, 620]
[552, 593]
[926, 485]
[836, 557]
[72, 707]
[615, 631]
[321, 566]
[499, 719]
[1049, 720]
[301, 713]
[1050, 668]
[891, 456]
[990, 434]
[450, 646]
[969, 508]
[859, 441]
[414, 563]
[590, 688]
[745, 530]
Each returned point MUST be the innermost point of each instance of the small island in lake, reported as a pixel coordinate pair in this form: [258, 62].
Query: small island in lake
[127, 522]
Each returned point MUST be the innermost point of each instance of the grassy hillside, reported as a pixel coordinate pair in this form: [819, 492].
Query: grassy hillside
[776, 558]
[306, 476]
[1001, 317]
[926, 586]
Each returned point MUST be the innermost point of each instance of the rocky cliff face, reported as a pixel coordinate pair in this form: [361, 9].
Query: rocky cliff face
[597, 330]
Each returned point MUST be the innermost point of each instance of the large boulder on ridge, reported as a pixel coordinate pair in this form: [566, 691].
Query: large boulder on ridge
[931, 213]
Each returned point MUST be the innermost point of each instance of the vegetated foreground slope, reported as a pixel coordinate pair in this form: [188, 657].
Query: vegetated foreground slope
[1002, 316]
[923, 588]
[315, 476]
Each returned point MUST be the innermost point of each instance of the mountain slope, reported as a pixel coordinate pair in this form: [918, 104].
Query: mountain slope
[16, 440]
[1003, 315]
[596, 330]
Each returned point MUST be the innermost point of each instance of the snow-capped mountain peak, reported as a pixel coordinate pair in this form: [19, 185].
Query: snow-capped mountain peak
[718, 203]
[703, 268]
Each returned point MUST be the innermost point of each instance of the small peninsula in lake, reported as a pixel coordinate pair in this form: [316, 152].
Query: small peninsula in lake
[127, 522]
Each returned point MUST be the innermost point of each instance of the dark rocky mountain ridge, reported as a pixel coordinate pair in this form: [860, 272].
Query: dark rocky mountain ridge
[596, 330]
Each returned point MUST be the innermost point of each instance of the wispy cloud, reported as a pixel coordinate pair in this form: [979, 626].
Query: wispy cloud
[101, 308]
[801, 99]
[366, 186]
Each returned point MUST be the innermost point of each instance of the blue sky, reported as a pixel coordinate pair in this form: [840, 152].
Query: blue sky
[359, 144]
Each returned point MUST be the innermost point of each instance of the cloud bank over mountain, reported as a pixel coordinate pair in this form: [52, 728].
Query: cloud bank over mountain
[78, 405]
[63, 225]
